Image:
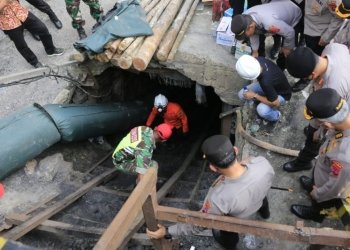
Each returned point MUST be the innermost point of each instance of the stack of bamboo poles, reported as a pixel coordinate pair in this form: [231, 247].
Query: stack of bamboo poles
[169, 21]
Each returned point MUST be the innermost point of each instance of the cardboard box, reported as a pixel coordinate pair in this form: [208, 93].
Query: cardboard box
[242, 49]
[224, 35]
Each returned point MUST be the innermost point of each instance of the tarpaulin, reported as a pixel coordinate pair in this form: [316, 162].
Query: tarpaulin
[126, 19]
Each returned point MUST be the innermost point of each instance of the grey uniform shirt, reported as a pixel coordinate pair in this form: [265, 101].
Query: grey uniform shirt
[343, 36]
[332, 168]
[277, 17]
[241, 197]
[320, 19]
[337, 75]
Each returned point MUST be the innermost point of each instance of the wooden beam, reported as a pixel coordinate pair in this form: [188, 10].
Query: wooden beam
[113, 237]
[151, 221]
[35, 221]
[321, 236]
[169, 184]
[48, 225]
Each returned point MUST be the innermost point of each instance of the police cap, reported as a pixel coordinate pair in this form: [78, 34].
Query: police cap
[218, 150]
[301, 62]
[239, 24]
[322, 104]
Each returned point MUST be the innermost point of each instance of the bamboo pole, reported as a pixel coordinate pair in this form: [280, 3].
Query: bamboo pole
[144, 55]
[169, 39]
[149, 7]
[115, 59]
[114, 45]
[126, 42]
[182, 31]
[125, 61]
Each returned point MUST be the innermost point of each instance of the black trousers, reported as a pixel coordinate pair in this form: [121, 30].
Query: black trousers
[310, 150]
[43, 7]
[229, 240]
[312, 43]
[35, 26]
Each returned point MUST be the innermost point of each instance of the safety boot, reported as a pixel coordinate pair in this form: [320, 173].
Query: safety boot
[81, 33]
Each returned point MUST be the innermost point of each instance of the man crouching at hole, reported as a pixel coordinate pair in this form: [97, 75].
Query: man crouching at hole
[240, 191]
[133, 155]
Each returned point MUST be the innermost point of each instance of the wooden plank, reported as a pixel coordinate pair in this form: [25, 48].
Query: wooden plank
[169, 184]
[113, 237]
[151, 221]
[25, 227]
[49, 224]
[317, 236]
[42, 203]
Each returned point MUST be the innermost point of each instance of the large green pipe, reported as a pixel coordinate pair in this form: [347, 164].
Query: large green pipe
[28, 132]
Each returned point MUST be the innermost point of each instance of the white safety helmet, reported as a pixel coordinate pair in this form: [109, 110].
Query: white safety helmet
[160, 102]
[248, 67]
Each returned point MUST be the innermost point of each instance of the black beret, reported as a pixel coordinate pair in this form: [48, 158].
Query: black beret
[218, 150]
[322, 104]
[239, 24]
[301, 62]
[343, 9]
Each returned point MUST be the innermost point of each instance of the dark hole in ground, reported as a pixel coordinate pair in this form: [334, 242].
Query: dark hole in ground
[96, 208]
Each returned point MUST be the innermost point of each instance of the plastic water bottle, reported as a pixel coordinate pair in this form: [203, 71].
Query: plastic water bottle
[250, 241]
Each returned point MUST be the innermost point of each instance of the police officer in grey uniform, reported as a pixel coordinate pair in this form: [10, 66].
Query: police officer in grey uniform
[326, 71]
[240, 190]
[330, 180]
[321, 24]
[343, 11]
[279, 17]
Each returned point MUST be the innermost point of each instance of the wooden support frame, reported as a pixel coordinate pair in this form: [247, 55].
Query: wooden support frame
[144, 197]
[319, 236]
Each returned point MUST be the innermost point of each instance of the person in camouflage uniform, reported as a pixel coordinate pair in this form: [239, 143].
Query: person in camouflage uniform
[133, 154]
[78, 22]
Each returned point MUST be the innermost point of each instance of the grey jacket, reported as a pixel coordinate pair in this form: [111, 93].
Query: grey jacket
[343, 36]
[332, 169]
[278, 17]
[320, 19]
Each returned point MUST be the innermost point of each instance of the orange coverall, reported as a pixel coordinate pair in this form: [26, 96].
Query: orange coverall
[174, 116]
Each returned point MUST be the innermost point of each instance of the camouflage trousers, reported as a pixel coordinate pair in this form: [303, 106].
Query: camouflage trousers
[73, 10]
[129, 167]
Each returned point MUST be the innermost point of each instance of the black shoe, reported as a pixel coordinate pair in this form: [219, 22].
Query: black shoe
[307, 213]
[274, 52]
[81, 33]
[293, 166]
[35, 36]
[300, 85]
[56, 52]
[306, 182]
[57, 23]
[264, 210]
[38, 65]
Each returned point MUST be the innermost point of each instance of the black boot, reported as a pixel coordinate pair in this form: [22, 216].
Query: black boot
[81, 33]
[307, 183]
[307, 213]
[264, 210]
[300, 85]
[295, 165]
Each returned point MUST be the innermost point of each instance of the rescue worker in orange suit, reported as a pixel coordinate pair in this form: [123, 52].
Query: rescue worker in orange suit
[171, 112]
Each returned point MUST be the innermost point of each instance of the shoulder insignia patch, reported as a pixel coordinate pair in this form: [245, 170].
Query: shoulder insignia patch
[206, 207]
[339, 135]
[134, 134]
[336, 167]
[273, 29]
